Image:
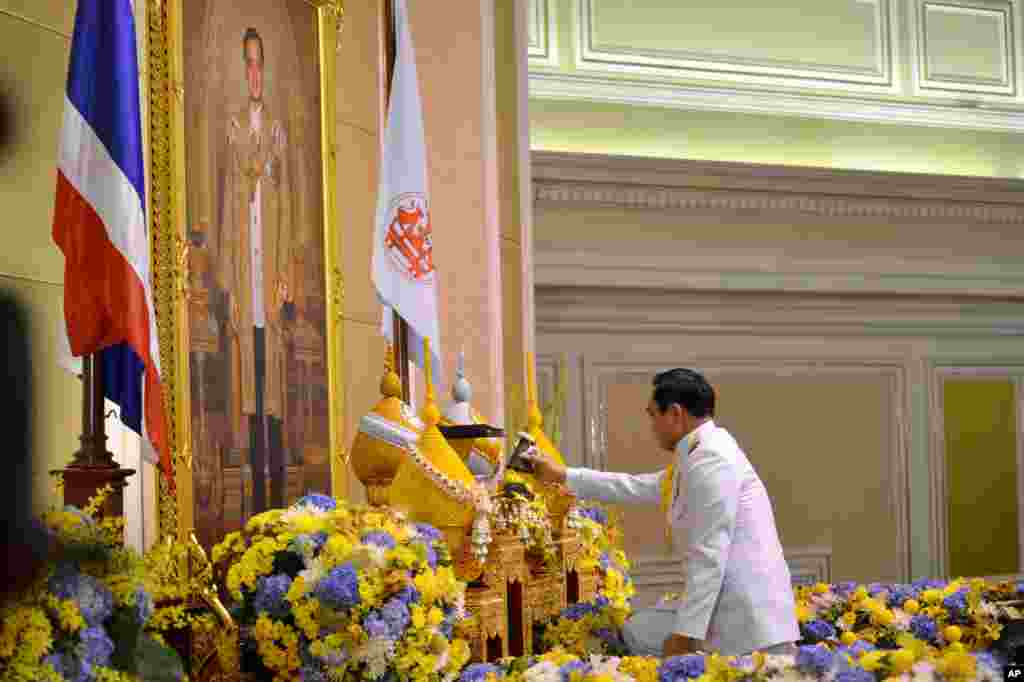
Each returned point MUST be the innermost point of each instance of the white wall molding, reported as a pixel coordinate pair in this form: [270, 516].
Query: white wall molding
[667, 184]
[974, 114]
[938, 370]
[679, 61]
[618, 311]
[810, 565]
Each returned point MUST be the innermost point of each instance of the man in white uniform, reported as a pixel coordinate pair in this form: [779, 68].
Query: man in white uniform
[739, 597]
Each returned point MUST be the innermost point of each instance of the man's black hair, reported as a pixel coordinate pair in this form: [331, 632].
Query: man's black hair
[686, 388]
[252, 34]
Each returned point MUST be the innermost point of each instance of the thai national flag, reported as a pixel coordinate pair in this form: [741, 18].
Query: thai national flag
[99, 220]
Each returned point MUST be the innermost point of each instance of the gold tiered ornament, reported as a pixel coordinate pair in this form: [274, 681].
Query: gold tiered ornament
[433, 485]
[461, 413]
[384, 437]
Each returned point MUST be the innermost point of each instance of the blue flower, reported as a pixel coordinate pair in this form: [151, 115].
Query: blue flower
[817, 631]
[923, 628]
[396, 614]
[855, 675]
[681, 668]
[596, 514]
[96, 647]
[448, 624]
[990, 660]
[601, 602]
[339, 589]
[877, 588]
[376, 627]
[845, 588]
[578, 611]
[93, 598]
[572, 667]
[271, 593]
[379, 538]
[814, 659]
[427, 532]
[319, 501]
[605, 561]
[956, 603]
[143, 606]
[478, 672]
[408, 594]
[861, 647]
[900, 595]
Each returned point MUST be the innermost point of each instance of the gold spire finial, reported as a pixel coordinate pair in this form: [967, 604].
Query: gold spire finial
[390, 384]
[533, 416]
[431, 415]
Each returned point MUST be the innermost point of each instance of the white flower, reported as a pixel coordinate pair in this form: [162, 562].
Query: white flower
[376, 654]
[314, 572]
[545, 671]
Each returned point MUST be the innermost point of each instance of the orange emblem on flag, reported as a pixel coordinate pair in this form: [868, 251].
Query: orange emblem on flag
[409, 240]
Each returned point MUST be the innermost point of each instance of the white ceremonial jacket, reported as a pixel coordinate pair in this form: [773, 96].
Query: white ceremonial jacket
[739, 595]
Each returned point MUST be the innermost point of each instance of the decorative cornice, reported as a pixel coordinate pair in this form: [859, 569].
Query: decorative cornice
[661, 184]
[659, 311]
[603, 89]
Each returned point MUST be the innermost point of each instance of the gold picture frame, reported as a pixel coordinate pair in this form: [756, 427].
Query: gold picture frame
[173, 283]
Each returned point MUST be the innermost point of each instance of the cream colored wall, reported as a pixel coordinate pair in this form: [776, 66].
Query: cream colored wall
[34, 47]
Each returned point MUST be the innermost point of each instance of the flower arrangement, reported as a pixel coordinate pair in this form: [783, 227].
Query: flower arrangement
[594, 627]
[87, 616]
[960, 614]
[324, 590]
[813, 663]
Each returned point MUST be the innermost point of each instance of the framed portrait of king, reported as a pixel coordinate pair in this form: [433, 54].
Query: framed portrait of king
[248, 296]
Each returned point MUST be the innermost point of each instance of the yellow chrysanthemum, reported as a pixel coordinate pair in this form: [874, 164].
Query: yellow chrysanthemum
[872, 660]
[902, 660]
[952, 633]
[848, 638]
[931, 596]
[911, 606]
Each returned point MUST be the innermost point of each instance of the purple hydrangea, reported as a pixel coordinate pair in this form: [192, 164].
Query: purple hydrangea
[923, 628]
[928, 584]
[318, 500]
[573, 667]
[93, 598]
[379, 538]
[95, 647]
[408, 594]
[956, 604]
[579, 610]
[427, 532]
[478, 672]
[602, 602]
[376, 627]
[877, 588]
[596, 514]
[844, 589]
[814, 659]
[860, 647]
[990, 660]
[143, 606]
[900, 594]
[681, 668]
[339, 589]
[855, 675]
[818, 631]
[271, 593]
[448, 624]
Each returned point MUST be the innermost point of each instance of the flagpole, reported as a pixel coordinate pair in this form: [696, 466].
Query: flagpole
[92, 467]
[400, 328]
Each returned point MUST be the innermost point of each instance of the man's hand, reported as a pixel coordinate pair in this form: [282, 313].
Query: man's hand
[545, 470]
[679, 645]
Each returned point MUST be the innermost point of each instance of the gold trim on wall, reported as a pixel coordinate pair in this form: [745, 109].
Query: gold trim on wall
[167, 97]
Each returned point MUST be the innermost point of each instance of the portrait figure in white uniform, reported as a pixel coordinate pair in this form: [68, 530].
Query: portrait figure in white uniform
[257, 321]
[738, 597]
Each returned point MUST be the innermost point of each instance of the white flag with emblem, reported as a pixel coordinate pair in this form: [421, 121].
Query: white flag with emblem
[403, 259]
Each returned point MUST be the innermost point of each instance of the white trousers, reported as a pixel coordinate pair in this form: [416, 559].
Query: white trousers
[646, 630]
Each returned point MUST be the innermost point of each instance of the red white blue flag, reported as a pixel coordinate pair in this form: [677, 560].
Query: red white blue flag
[99, 220]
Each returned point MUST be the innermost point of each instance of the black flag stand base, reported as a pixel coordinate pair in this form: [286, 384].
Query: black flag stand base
[93, 466]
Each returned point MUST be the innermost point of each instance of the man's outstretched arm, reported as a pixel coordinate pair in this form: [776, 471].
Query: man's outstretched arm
[605, 486]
